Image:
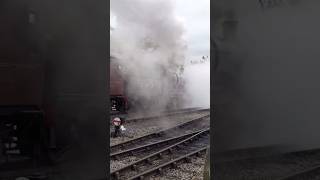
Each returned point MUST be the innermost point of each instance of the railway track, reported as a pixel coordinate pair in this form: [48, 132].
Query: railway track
[184, 170]
[166, 157]
[158, 136]
[181, 110]
[150, 146]
[165, 115]
[136, 115]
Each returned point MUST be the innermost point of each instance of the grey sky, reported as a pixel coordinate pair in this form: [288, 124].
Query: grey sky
[196, 17]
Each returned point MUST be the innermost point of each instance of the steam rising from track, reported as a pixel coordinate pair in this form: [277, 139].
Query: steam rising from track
[149, 47]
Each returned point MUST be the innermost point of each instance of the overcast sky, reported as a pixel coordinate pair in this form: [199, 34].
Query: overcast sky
[196, 18]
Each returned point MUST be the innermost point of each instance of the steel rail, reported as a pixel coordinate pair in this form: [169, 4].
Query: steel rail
[172, 163]
[159, 133]
[155, 117]
[149, 146]
[134, 166]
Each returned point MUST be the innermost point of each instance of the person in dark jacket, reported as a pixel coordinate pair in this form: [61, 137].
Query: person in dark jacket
[117, 123]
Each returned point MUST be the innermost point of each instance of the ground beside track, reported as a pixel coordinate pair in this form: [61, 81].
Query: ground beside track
[140, 128]
[192, 170]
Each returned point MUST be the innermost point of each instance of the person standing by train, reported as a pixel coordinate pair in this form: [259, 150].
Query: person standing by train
[117, 123]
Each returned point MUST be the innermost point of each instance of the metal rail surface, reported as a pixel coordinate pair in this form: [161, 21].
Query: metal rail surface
[165, 115]
[131, 142]
[172, 163]
[150, 146]
[171, 111]
[149, 163]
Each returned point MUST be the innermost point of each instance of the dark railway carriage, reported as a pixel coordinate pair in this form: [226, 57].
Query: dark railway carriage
[52, 85]
[21, 80]
[118, 98]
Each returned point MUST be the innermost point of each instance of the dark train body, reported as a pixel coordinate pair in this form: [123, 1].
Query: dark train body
[118, 95]
[21, 77]
[53, 83]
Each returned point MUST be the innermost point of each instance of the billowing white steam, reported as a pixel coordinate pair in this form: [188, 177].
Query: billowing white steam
[197, 77]
[148, 45]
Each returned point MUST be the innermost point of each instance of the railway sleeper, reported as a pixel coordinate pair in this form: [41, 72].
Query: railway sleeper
[174, 165]
[117, 176]
[156, 144]
[160, 171]
[187, 159]
[148, 160]
[134, 167]
[197, 146]
[161, 133]
[198, 154]
[180, 146]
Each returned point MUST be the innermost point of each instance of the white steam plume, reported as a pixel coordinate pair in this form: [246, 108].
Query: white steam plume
[147, 43]
[197, 77]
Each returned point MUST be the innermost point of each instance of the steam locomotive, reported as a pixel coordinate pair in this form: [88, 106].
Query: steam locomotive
[122, 100]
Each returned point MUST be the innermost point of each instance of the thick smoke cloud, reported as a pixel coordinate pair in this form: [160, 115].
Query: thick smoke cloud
[148, 45]
[197, 77]
[274, 94]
